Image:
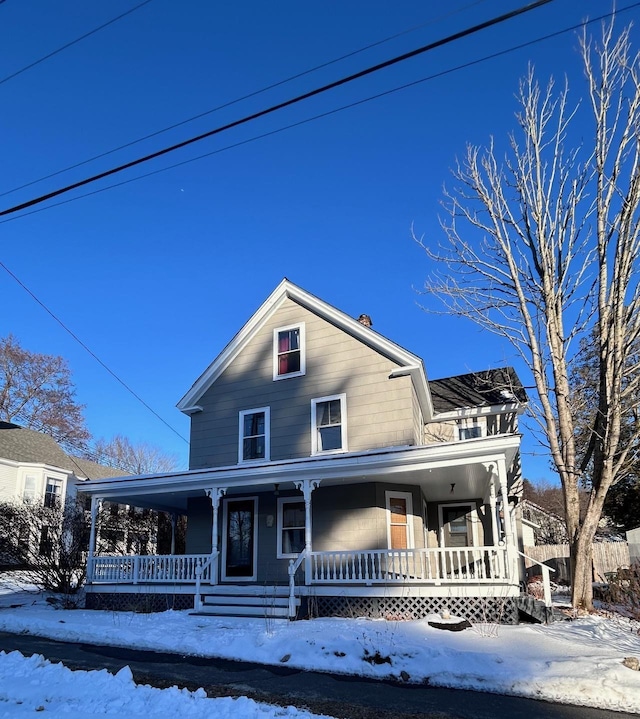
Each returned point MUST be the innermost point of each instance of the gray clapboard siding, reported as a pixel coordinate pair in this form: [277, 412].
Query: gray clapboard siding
[380, 411]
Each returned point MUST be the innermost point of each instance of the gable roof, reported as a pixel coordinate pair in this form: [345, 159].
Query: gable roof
[27, 446]
[408, 362]
[489, 388]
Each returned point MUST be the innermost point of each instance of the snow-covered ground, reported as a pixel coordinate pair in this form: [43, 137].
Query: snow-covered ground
[578, 661]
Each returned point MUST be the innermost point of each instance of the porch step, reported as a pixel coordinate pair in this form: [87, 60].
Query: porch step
[269, 602]
[535, 609]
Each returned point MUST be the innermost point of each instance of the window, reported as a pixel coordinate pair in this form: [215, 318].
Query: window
[29, 493]
[291, 524]
[399, 520]
[329, 424]
[288, 352]
[469, 429]
[45, 547]
[254, 435]
[53, 492]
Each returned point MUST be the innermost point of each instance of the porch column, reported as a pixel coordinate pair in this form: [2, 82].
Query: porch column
[174, 520]
[492, 505]
[215, 494]
[96, 504]
[506, 518]
[306, 486]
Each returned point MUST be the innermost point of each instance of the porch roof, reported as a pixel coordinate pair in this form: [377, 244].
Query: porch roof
[445, 471]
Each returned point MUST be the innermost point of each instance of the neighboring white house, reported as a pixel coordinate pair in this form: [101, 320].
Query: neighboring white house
[33, 466]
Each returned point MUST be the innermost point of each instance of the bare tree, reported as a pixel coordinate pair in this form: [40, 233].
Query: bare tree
[138, 458]
[543, 247]
[36, 391]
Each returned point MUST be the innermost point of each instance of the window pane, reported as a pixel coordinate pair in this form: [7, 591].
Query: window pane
[292, 541]
[334, 411]
[289, 351]
[293, 514]
[253, 448]
[253, 424]
[398, 508]
[289, 362]
[329, 438]
[52, 492]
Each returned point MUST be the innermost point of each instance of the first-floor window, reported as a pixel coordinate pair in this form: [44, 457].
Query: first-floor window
[53, 492]
[291, 527]
[399, 520]
[328, 424]
[46, 542]
[254, 434]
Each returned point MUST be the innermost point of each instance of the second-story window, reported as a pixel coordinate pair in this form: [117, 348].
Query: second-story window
[288, 352]
[254, 435]
[329, 424]
[53, 492]
[469, 428]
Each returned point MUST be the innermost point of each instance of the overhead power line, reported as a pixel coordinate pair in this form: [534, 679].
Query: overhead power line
[73, 42]
[93, 354]
[279, 106]
[321, 115]
[237, 100]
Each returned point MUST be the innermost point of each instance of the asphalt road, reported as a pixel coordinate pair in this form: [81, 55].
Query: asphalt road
[337, 695]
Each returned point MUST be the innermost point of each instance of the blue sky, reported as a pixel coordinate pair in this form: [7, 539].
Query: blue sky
[156, 276]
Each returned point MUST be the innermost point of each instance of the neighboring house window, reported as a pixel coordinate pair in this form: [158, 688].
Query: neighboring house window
[53, 492]
[254, 434]
[470, 429]
[329, 424]
[29, 493]
[288, 352]
[399, 520]
[291, 524]
[46, 544]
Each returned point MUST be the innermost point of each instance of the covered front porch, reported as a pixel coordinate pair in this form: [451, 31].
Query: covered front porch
[415, 522]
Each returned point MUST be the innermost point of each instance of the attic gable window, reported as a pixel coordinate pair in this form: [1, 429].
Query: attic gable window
[329, 424]
[288, 352]
[254, 435]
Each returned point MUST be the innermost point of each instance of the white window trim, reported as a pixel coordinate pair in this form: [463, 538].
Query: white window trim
[223, 555]
[408, 497]
[280, 521]
[267, 435]
[343, 425]
[303, 353]
[474, 520]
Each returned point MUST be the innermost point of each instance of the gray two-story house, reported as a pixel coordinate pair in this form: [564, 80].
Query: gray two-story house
[328, 476]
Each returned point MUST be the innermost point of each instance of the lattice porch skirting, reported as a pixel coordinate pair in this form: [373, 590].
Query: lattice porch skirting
[138, 602]
[476, 609]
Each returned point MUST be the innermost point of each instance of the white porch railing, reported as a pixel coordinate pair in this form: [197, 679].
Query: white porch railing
[206, 571]
[141, 569]
[417, 566]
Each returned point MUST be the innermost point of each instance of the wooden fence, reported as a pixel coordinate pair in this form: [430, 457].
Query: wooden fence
[607, 557]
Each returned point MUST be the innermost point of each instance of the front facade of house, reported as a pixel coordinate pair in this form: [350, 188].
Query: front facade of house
[327, 470]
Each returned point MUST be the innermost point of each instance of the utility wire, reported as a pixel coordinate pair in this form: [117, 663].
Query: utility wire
[95, 357]
[350, 105]
[241, 99]
[279, 106]
[73, 42]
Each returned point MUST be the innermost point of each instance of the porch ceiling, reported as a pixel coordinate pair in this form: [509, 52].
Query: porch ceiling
[447, 471]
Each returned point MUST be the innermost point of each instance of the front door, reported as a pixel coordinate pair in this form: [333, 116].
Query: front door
[239, 543]
[456, 524]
